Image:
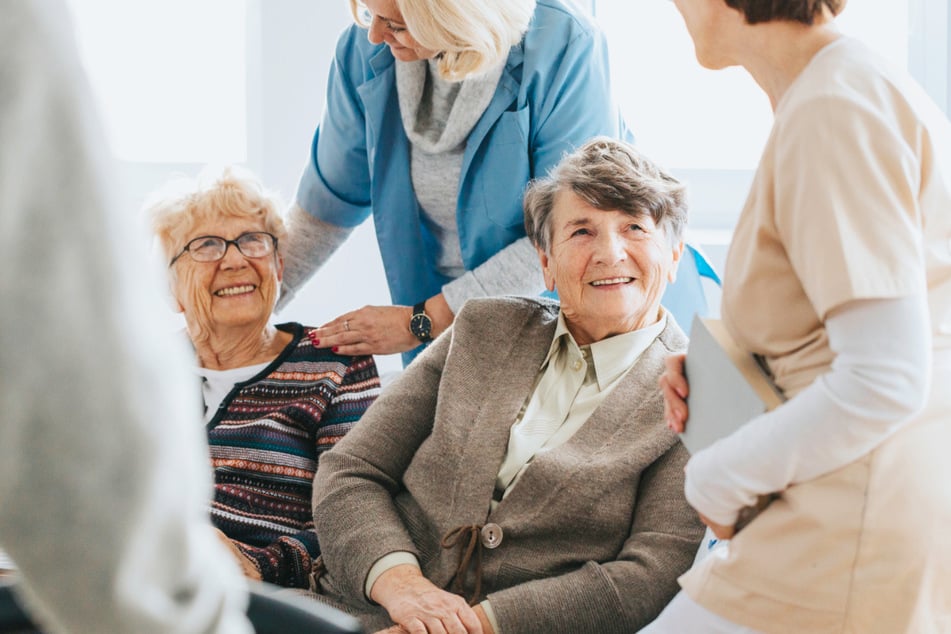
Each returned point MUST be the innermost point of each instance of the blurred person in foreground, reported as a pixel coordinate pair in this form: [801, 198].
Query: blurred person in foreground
[518, 477]
[104, 481]
[274, 402]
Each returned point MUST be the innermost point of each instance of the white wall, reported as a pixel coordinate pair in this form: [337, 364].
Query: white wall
[291, 45]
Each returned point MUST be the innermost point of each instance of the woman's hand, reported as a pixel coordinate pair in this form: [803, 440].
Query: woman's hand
[368, 330]
[247, 566]
[419, 607]
[379, 329]
[721, 531]
[673, 385]
[483, 619]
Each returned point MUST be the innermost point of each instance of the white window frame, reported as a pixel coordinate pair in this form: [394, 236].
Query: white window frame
[717, 195]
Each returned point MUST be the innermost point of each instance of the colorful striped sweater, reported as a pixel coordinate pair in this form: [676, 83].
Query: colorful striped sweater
[265, 441]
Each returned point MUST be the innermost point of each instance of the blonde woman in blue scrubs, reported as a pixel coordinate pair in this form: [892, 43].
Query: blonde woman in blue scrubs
[438, 114]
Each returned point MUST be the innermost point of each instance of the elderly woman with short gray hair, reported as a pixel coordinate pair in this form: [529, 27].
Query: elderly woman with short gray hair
[521, 465]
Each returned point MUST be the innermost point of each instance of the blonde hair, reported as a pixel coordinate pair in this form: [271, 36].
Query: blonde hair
[176, 209]
[472, 36]
[182, 205]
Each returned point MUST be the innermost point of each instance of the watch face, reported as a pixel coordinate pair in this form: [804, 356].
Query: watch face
[421, 326]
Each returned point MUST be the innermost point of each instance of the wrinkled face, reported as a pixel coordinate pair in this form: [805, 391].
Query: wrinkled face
[610, 268]
[234, 292]
[387, 26]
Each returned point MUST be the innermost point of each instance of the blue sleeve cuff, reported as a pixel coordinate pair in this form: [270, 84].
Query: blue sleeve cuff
[316, 198]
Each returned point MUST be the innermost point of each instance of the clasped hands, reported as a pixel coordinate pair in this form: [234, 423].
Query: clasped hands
[417, 606]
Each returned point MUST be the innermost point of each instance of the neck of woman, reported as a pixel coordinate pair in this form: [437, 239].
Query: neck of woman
[229, 349]
[777, 52]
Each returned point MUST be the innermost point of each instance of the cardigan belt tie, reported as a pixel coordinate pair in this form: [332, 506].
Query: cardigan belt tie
[456, 537]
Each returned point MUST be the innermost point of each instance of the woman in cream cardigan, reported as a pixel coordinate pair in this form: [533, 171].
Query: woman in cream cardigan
[839, 276]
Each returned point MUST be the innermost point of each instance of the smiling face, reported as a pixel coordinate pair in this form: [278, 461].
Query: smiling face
[610, 268]
[236, 294]
[386, 25]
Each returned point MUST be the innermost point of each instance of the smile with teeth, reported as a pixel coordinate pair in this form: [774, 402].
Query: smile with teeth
[234, 290]
[612, 280]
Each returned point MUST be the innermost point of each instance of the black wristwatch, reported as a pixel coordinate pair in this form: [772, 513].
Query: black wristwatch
[420, 324]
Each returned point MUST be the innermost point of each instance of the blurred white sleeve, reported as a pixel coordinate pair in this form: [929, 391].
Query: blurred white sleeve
[104, 473]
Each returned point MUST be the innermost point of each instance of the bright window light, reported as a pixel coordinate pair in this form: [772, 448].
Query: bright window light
[169, 76]
[687, 117]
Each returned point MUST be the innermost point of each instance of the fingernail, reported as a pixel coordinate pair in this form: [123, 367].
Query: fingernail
[315, 340]
[335, 349]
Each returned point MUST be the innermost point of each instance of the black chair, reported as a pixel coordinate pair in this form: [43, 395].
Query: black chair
[272, 610]
[275, 610]
[13, 620]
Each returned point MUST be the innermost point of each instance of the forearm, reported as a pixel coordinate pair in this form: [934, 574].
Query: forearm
[876, 383]
[286, 562]
[354, 509]
[309, 244]
[585, 600]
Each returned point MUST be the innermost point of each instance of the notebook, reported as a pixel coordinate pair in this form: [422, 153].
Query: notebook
[728, 386]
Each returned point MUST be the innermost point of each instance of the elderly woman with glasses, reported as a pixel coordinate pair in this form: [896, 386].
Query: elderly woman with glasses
[527, 469]
[439, 113]
[274, 403]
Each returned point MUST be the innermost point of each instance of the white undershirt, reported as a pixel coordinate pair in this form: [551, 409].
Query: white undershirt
[217, 384]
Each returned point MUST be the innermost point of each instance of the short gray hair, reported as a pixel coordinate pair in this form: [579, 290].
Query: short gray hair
[612, 176]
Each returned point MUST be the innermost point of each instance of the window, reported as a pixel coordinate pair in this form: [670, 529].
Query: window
[709, 127]
[170, 76]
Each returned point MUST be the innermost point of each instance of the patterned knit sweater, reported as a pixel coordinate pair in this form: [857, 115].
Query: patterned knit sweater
[265, 441]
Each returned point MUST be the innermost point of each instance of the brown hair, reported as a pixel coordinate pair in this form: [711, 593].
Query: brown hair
[804, 11]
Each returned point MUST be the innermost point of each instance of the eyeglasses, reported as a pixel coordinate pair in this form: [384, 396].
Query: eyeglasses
[365, 18]
[254, 244]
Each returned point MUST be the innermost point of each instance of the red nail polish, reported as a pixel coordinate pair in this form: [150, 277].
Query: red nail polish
[315, 340]
[335, 349]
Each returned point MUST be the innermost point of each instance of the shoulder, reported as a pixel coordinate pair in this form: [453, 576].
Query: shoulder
[845, 82]
[559, 22]
[359, 59]
[301, 356]
[559, 34]
[565, 14]
[672, 337]
[504, 312]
